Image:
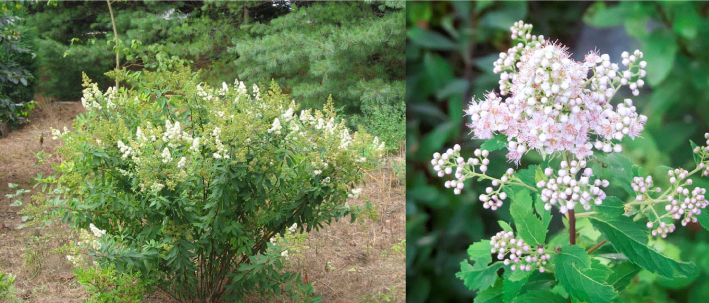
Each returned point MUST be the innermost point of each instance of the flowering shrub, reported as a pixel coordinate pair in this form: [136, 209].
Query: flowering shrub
[562, 109]
[188, 183]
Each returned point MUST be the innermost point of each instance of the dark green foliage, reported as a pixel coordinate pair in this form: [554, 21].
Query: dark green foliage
[77, 37]
[17, 64]
[353, 51]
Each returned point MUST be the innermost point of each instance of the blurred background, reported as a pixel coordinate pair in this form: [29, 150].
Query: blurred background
[450, 49]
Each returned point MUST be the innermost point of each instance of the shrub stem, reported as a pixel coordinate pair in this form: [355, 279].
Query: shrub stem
[572, 227]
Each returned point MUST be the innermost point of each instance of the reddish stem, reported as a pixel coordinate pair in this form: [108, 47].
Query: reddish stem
[595, 247]
[572, 227]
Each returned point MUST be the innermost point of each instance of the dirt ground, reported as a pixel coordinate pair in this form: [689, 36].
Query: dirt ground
[347, 262]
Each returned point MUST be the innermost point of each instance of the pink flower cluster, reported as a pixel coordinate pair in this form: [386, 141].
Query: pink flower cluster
[548, 103]
[521, 256]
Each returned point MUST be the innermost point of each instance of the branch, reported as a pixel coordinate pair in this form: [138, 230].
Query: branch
[595, 246]
[115, 35]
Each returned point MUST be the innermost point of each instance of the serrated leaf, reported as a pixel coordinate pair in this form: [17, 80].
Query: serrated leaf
[517, 275]
[622, 274]
[497, 142]
[579, 279]
[631, 239]
[528, 175]
[480, 252]
[543, 213]
[539, 296]
[478, 277]
[529, 227]
[504, 225]
[490, 295]
[513, 284]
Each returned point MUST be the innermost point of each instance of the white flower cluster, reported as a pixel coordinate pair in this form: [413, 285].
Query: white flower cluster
[565, 188]
[221, 153]
[57, 133]
[206, 96]
[88, 241]
[451, 163]
[90, 97]
[276, 127]
[355, 193]
[521, 256]
[165, 155]
[125, 149]
[550, 103]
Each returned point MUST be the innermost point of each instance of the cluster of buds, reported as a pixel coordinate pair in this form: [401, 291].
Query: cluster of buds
[684, 202]
[521, 256]
[703, 151]
[643, 187]
[662, 230]
[548, 102]
[452, 163]
[567, 187]
[493, 198]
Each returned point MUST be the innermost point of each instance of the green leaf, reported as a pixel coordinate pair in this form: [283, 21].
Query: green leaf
[622, 274]
[431, 39]
[582, 281]
[659, 49]
[509, 13]
[490, 295]
[496, 143]
[631, 239]
[686, 20]
[480, 252]
[513, 283]
[703, 219]
[598, 15]
[694, 155]
[478, 277]
[529, 226]
[504, 225]
[539, 296]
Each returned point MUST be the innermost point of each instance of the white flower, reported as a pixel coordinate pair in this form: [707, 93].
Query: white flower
[181, 163]
[293, 228]
[97, 232]
[166, 156]
[276, 127]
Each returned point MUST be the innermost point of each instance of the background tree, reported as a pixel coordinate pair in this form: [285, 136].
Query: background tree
[17, 65]
[352, 51]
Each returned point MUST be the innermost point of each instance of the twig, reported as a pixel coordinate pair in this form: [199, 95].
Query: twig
[595, 246]
[115, 34]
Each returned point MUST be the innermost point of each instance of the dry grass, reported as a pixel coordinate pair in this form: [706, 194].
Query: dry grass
[17, 165]
[347, 262]
[358, 262]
